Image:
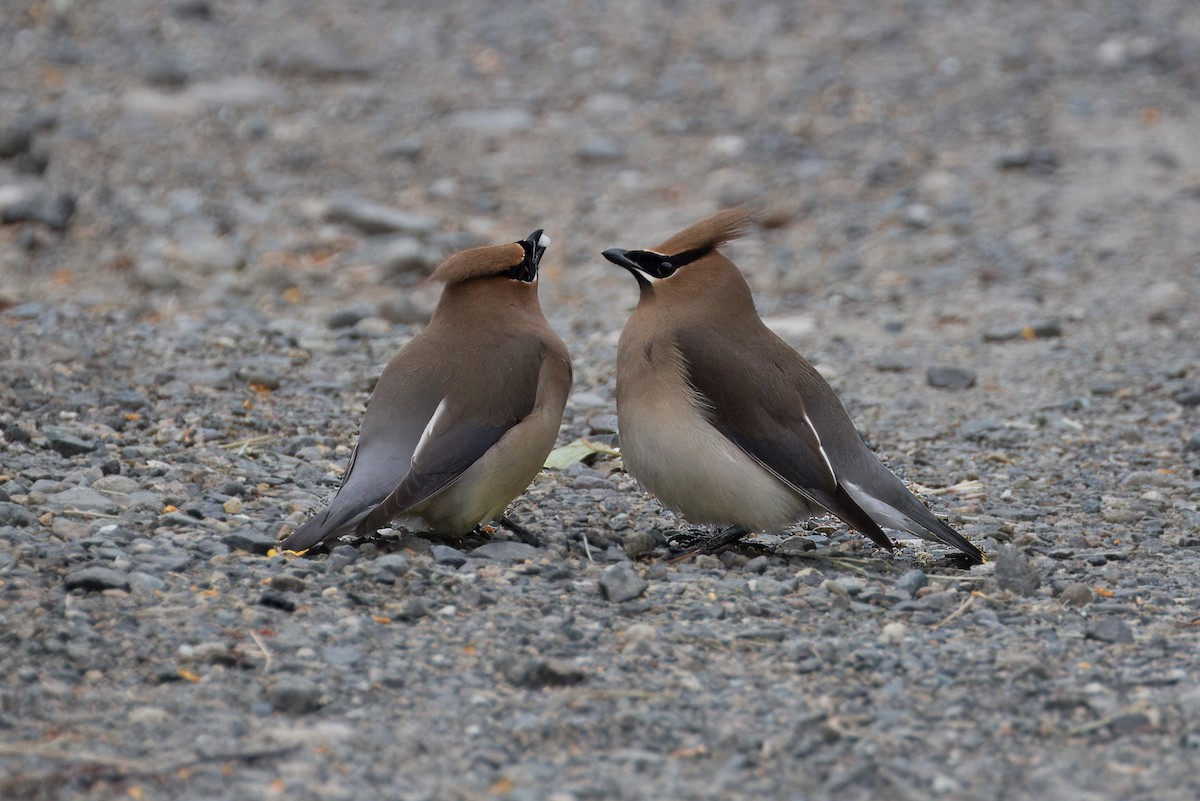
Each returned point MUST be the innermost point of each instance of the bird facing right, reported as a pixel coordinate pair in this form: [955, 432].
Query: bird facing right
[725, 422]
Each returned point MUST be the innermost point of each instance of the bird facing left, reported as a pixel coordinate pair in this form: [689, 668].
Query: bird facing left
[463, 417]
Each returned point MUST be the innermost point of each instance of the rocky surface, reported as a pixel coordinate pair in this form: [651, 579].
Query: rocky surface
[978, 220]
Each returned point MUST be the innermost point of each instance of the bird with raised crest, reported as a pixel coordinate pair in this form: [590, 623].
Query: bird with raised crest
[725, 423]
[463, 417]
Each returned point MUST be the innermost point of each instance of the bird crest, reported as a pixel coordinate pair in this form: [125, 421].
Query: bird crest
[710, 233]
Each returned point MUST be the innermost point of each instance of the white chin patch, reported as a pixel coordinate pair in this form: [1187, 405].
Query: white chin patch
[543, 241]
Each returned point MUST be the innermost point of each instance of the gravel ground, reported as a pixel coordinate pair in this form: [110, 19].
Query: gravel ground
[979, 220]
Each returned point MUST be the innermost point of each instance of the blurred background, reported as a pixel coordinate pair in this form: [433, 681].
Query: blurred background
[303, 157]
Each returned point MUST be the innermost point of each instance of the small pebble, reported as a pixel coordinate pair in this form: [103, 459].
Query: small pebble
[294, 696]
[96, 579]
[893, 633]
[1076, 594]
[943, 377]
[621, 582]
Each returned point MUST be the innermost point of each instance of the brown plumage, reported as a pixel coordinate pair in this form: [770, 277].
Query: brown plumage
[462, 418]
[724, 422]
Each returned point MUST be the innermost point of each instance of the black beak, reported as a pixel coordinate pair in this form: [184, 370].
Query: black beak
[617, 256]
[534, 246]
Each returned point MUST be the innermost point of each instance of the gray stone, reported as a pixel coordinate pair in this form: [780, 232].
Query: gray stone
[415, 609]
[35, 202]
[66, 442]
[620, 583]
[944, 377]
[446, 555]
[1193, 443]
[13, 514]
[376, 218]
[163, 560]
[1015, 571]
[295, 697]
[249, 540]
[1187, 397]
[637, 544]
[911, 581]
[97, 578]
[1110, 630]
[1077, 594]
[116, 485]
[496, 122]
[395, 563]
[506, 551]
[83, 499]
[286, 582]
[341, 655]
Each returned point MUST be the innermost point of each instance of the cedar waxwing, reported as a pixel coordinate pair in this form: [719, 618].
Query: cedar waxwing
[463, 417]
[724, 422]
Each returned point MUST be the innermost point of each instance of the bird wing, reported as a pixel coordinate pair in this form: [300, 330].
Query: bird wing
[754, 394]
[466, 424]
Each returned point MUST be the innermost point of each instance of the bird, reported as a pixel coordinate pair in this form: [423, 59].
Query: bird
[463, 416]
[728, 425]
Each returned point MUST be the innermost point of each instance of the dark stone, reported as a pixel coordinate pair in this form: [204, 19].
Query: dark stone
[1037, 159]
[295, 697]
[249, 540]
[276, 600]
[1111, 630]
[346, 318]
[536, 673]
[950, 377]
[13, 514]
[1193, 443]
[66, 443]
[286, 582]
[1188, 397]
[97, 578]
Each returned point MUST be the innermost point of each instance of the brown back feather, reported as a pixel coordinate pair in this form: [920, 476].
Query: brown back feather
[711, 232]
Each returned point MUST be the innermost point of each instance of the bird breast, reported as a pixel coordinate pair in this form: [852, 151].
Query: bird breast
[670, 446]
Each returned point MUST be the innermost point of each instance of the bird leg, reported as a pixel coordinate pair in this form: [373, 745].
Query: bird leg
[714, 544]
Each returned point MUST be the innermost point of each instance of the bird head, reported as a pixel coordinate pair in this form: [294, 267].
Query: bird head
[517, 261]
[690, 257]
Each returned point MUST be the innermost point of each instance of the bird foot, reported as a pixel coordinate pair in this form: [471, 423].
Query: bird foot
[714, 544]
[520, 532]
